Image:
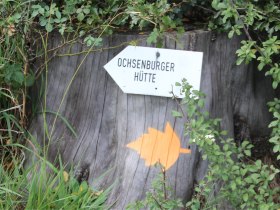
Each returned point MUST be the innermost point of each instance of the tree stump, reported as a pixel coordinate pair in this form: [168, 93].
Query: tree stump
[106, 119]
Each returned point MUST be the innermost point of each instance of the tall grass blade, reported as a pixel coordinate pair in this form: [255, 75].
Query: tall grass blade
[63, 119]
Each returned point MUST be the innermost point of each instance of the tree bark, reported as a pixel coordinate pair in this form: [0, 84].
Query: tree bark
[106, 119]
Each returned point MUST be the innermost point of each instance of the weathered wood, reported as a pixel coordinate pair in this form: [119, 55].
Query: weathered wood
[106, 119]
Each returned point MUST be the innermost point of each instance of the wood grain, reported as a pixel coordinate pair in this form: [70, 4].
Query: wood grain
[106, 119]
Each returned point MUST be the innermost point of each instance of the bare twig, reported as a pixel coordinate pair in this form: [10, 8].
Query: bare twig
[10, 130]
[12, 108]
[178, 103]
[99, 49]
[164, 183]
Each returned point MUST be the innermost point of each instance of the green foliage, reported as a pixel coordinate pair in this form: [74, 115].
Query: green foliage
[90, 41]
[22, 21]
[12, 49]
[44, 187]
[246, 53]
[85, 17]
[275, 125]
[74, 15]
[14, 75]
[49, 16]
[19, 22]
[259, 20]
[245, 184]
[158, 13]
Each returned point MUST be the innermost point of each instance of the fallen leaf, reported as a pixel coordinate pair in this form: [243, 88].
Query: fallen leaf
[65, 176]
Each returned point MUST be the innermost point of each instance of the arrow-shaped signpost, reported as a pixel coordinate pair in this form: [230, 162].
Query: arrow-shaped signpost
[154, 71]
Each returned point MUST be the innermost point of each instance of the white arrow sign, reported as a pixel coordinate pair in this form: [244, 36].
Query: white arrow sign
[154, 71]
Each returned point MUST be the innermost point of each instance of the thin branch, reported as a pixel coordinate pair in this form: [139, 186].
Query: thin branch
[206, 9]
[164, 183]
[100, 49]
[247, 32]
[12, 108]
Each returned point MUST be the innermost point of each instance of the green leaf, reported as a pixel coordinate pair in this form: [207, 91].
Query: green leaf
[230, 34]
[215, 4]
[17, 16]
[276, 115]
[166, 20]
[255, 176]
[56, 20]
[178, 84]
[83, 186]
[176, 114]
[221, 6]
[264, 206]
[79, 10]
[153, 36]
[49, 27]
[62, 29]
[261, 65]
[245, 197]
[239, 61]
[225, 177]
[274, 139]
[80, 17]
[41, 10]
[98, 41]
[58, 14]
[200, 103]
[274, 84]
[244, 144]
[34, 13]
[258, 163]
[43, 22]
[233, 186]
[18, 77]
[29, 80]
[225, 147]
[247, 152]
[271, 177]
[273, 124]
[223, 133]
[86, 11]
[204, 156]
[276, 148]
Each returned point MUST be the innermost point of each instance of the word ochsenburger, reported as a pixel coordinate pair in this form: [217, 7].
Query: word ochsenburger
[145, 64]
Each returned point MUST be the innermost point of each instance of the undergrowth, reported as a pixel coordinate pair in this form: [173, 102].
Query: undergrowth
[232, 175]
[44, 186]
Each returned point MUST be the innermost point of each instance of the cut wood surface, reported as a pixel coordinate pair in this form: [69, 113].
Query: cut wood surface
[106, 119]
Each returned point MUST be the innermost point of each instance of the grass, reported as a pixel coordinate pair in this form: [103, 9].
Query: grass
[43, 186]
[40, 185]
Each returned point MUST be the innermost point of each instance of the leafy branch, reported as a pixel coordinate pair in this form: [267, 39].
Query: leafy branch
[262, 17]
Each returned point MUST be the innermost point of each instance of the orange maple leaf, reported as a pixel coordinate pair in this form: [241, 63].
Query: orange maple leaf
[156, 146]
